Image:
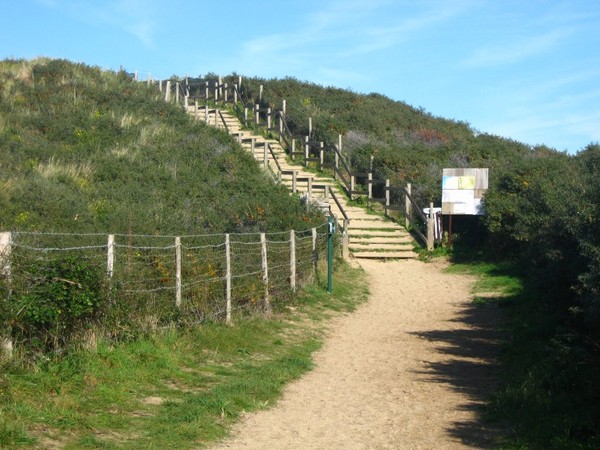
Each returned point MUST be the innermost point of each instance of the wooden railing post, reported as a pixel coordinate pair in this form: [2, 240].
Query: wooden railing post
[387, 196]
[309, 187]
[196, 109]
[306, 151]
[294, 176]
[268, 119]
[266, 156]
[246, 116]
[235, 94]
[256, 114]
[293, 148]
[430, 228]
[352, 183]
[321, 155]
[310, 126]
[407, 206]
[370, 186]
[225, 96]
[168, 91]
[6, 342]
[177, 87]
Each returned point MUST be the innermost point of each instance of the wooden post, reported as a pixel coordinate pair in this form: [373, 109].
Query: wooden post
[265, 271]
[315, 250]
[160, 86]
[6, 342]
[110, 256]
[387, 196]
[283, 105]
[260, 93]
[346, 240]
[268, 119]
[178, 271]
[227, 280]
[370, 186]
[206, 91]
[352, 181]
[220, 86]
[310, 126]
[177, 92]
[407, 206]
[309, 188]
[293, 148]
[266, 156]
[235, 94]
[294, 176]
[252, 145]
[216, 91]
[256, 114]
[327, 193]
[321, 155]
[306, 151]
[196, 109]
[225, 97]
[246, 116]
[168, 91]
[430, 228]
[206, 118]
[216, 117]
[280, 116]
[340, 143]
[337, 164]
[293, 260]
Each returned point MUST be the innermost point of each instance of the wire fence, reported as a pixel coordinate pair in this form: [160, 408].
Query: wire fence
[54, 287]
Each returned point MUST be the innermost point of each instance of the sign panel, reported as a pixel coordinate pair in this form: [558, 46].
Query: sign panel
[463, 191]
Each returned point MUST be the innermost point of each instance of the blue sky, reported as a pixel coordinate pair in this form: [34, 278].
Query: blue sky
[524, 69]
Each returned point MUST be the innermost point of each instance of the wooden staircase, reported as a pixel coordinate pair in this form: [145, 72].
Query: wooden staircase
[369, 235]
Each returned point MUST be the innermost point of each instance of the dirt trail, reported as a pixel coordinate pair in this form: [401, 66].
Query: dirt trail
[407, 370]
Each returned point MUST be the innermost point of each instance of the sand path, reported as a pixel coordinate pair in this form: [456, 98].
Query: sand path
[407, 370]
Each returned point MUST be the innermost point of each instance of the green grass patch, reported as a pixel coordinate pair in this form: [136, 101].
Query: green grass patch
[181, 389]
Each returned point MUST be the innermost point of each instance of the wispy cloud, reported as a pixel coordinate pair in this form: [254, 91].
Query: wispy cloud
[517, 50]
[135, 17]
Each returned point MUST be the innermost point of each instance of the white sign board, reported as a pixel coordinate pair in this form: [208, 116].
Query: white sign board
[463, 191]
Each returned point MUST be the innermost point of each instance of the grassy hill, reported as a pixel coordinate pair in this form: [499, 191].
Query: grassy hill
[86, 150]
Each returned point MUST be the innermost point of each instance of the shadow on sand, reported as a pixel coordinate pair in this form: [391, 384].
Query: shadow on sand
[470, 367]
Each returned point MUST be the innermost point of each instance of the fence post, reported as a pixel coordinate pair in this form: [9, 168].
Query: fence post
[260, 93]
[346, 240]
[206, 118]
[178, 271]
[235, 94]
[294, 176]
[168, 91]
[256, 114]
[227, 280]
[321, 155]
[206, 91]
[310, 126]
[407, 206]
[280, 116]
[225, 96]
[293, 260]
[160, 86]
[196, 109]
[370, 185]
[315, 250]
[387, 196]
[177, 92]
[293, 148]
[266, 156]
[265, 270]
[246, 116]
[268, 119]
[430, 225]
[110, 256]
[306, 151]
[6, 341]
[352, 182]
[252, 145]
[309, 188]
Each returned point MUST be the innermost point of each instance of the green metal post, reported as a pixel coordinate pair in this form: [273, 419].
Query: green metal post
[331, 230]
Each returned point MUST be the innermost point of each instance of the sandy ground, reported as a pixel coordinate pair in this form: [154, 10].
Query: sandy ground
[407, 370]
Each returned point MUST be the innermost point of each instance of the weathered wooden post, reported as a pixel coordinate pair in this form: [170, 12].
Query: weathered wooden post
[6, 342]
[168, 91]
[370, 185]
[293, 148]
[227, 280]
[252, 145]
[246, 116]
[177, 87]
[310, 126]
[206, 91]
[177, 271]
[265, 271]
[309, 188]
[268, 119]
[407, 206]
[256, 114]
[306, 151]
[293, 260]
[430, 228]
[352, 184]
[110, 256]
[235, 94]
[294, 177]
[196, 109]
[225, 96]
[260, 93]
[387, 196]
[266, 156]
[321, 154]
